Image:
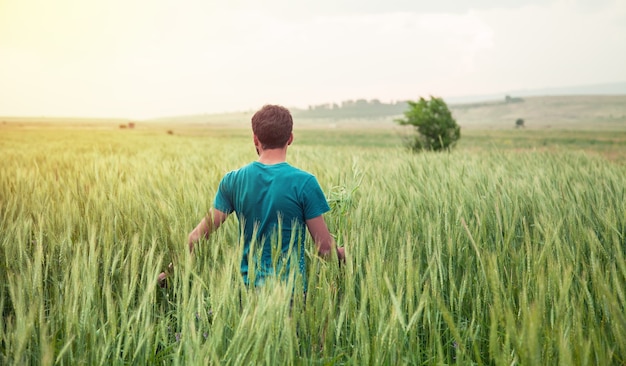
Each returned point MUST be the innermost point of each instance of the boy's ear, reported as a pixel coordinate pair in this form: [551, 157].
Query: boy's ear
[257, 145]
[290, 139]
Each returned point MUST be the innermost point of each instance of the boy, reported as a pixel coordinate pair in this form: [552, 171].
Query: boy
[273, 201]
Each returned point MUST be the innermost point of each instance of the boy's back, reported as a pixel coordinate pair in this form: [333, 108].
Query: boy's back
[267, 197]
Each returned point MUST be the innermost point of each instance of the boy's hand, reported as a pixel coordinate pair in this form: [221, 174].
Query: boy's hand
[162, 279]
[341, 254]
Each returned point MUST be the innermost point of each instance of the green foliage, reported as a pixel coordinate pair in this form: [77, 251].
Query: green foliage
[436, 128]
[501, 257]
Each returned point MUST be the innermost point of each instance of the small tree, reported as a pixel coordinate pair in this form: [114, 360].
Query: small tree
[433, 122]
[519, 123]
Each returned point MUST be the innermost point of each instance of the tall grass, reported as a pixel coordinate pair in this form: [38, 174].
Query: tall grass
[493, 257]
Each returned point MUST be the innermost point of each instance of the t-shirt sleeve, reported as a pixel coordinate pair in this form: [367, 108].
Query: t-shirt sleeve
[315, 203]
[223, 198]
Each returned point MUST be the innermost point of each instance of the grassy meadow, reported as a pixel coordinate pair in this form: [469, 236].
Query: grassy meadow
[510, 250]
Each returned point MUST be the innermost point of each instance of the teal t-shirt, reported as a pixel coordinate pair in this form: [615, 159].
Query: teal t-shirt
[272, 204]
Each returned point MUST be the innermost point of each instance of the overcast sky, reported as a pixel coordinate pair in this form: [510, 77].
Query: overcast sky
[149, 58]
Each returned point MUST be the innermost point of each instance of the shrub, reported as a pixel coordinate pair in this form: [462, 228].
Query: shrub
[436, 128]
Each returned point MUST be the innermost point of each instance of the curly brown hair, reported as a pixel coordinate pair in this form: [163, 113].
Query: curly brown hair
[272, 125]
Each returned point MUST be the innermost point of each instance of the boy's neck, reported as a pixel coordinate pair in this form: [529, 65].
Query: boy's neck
[272, 156]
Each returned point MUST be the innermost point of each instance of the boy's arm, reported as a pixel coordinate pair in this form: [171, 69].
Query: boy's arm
[322, 238]
[211, 222]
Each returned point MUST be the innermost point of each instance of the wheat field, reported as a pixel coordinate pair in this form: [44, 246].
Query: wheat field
[492, 256]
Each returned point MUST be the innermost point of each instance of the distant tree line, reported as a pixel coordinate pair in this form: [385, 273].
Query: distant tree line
[359, 108]
[509, 99]
[374, 108]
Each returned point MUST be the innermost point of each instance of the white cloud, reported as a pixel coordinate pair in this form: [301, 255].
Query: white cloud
[342, 57]
[146, 58]
[555, 45]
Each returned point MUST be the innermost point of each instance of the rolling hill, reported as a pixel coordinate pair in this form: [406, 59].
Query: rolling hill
[601, 106]
[560, 112]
